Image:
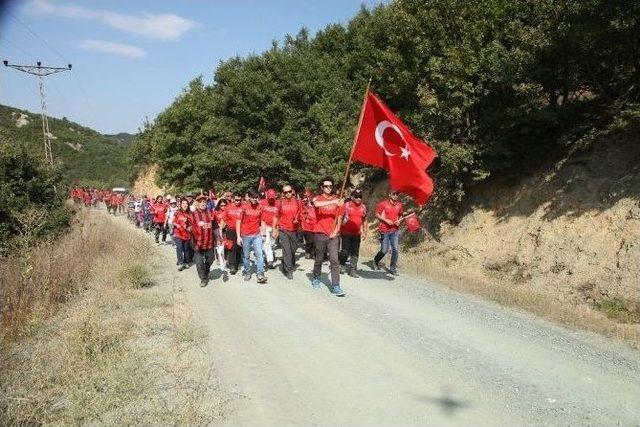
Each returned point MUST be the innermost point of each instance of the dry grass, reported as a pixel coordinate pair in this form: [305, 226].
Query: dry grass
[116, 354]
[510, 292]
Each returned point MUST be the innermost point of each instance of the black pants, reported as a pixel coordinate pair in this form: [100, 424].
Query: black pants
[323, 244]
[204, 259]
[160, 228]
[309, 243]
[350, 249]
[289, 243]
[233, 255]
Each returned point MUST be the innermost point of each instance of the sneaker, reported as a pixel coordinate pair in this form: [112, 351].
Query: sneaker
[316, 283]
[247, 276]
[394, 272]
[204, 283]
[353, 273]
[337, 291]
[185, 266]
[233, 271]
[181, 268]
[262, 278]
[289, 275]
[376, 265]
[271, 265]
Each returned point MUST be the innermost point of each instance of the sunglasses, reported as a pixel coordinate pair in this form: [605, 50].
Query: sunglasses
[327, 185]
[237, 200]
[288, 192]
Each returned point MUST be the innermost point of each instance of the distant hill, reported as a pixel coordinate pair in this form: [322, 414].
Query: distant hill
[88, 157]
[121, 138]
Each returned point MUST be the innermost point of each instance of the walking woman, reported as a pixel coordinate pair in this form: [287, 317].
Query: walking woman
[182, 234]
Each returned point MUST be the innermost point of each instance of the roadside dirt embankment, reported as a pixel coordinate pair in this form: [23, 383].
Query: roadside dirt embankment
[563, 242]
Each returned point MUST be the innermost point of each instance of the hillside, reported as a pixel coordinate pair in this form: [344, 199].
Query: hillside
[88, 157]
[562, 241]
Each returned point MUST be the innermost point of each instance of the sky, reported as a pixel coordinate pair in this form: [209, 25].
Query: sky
[130, 59]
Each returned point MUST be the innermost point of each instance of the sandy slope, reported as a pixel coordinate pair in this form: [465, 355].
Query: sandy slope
[401, 352]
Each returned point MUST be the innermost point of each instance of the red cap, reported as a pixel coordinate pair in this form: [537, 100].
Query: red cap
[271, 193]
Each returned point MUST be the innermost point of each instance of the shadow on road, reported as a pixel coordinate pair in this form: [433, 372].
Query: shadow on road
[446, 402]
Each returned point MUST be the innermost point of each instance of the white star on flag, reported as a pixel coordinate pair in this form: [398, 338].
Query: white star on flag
[405, 153]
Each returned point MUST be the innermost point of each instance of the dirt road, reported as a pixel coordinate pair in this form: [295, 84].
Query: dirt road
[400, 352]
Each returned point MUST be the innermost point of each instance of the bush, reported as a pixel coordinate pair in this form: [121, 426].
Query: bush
[136, 276]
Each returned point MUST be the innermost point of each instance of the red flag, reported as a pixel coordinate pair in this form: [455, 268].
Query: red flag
[413, 223]
[262, 184]
[383, 140]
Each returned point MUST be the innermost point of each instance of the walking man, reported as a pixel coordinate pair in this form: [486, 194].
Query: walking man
[232, 213]
[159, 211]
[248, 230]
[288, 220]
[202, 229]
[389, 213]
[327, 238]
[352, 231]
[269, 212]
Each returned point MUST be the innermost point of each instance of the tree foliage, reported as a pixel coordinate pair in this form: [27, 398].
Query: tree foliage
[494, 85]
[29, 204]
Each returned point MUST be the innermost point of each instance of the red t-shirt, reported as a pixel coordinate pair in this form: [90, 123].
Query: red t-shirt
[392, 212]
[308, 216]
[159, 212]
[326, 216]
[232, 213]
[269, 211]
[354, 215]
[288, 214]
[180, 224]
[251, 218]
[202, 228]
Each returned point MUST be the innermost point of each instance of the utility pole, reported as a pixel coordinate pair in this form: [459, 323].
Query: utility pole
[41, 71]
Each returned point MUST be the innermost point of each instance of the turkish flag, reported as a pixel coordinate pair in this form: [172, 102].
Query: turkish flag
[383, 140]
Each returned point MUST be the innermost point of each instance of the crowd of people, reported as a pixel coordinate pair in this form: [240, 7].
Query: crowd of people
[205, 229]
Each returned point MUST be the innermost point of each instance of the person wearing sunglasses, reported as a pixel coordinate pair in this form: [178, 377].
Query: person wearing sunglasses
[232, 213]
[248, 230]
[389, 213]
[327, 238]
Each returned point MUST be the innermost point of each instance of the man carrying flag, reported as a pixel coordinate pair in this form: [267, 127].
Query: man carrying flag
[383, 140]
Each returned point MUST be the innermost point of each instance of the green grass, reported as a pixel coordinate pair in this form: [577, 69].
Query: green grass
[622, 311]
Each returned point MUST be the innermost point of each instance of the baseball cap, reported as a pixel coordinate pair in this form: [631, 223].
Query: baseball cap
[201, 197]
[271, 193]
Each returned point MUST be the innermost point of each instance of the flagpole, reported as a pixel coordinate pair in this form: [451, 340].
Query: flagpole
[355, 137]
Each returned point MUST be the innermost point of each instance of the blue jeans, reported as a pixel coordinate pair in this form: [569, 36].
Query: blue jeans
[255, 243]
[388, 240]
[183, 250]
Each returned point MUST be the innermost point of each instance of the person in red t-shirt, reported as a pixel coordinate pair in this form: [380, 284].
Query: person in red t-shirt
[308, 225]
[269, 210]
[327, 209]
[182, 234]
[352, 231]
[248, 229]
[389, 213]
[288, 220]
[201, 222]
[159, 211]
[233, 212]
[113, 202]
